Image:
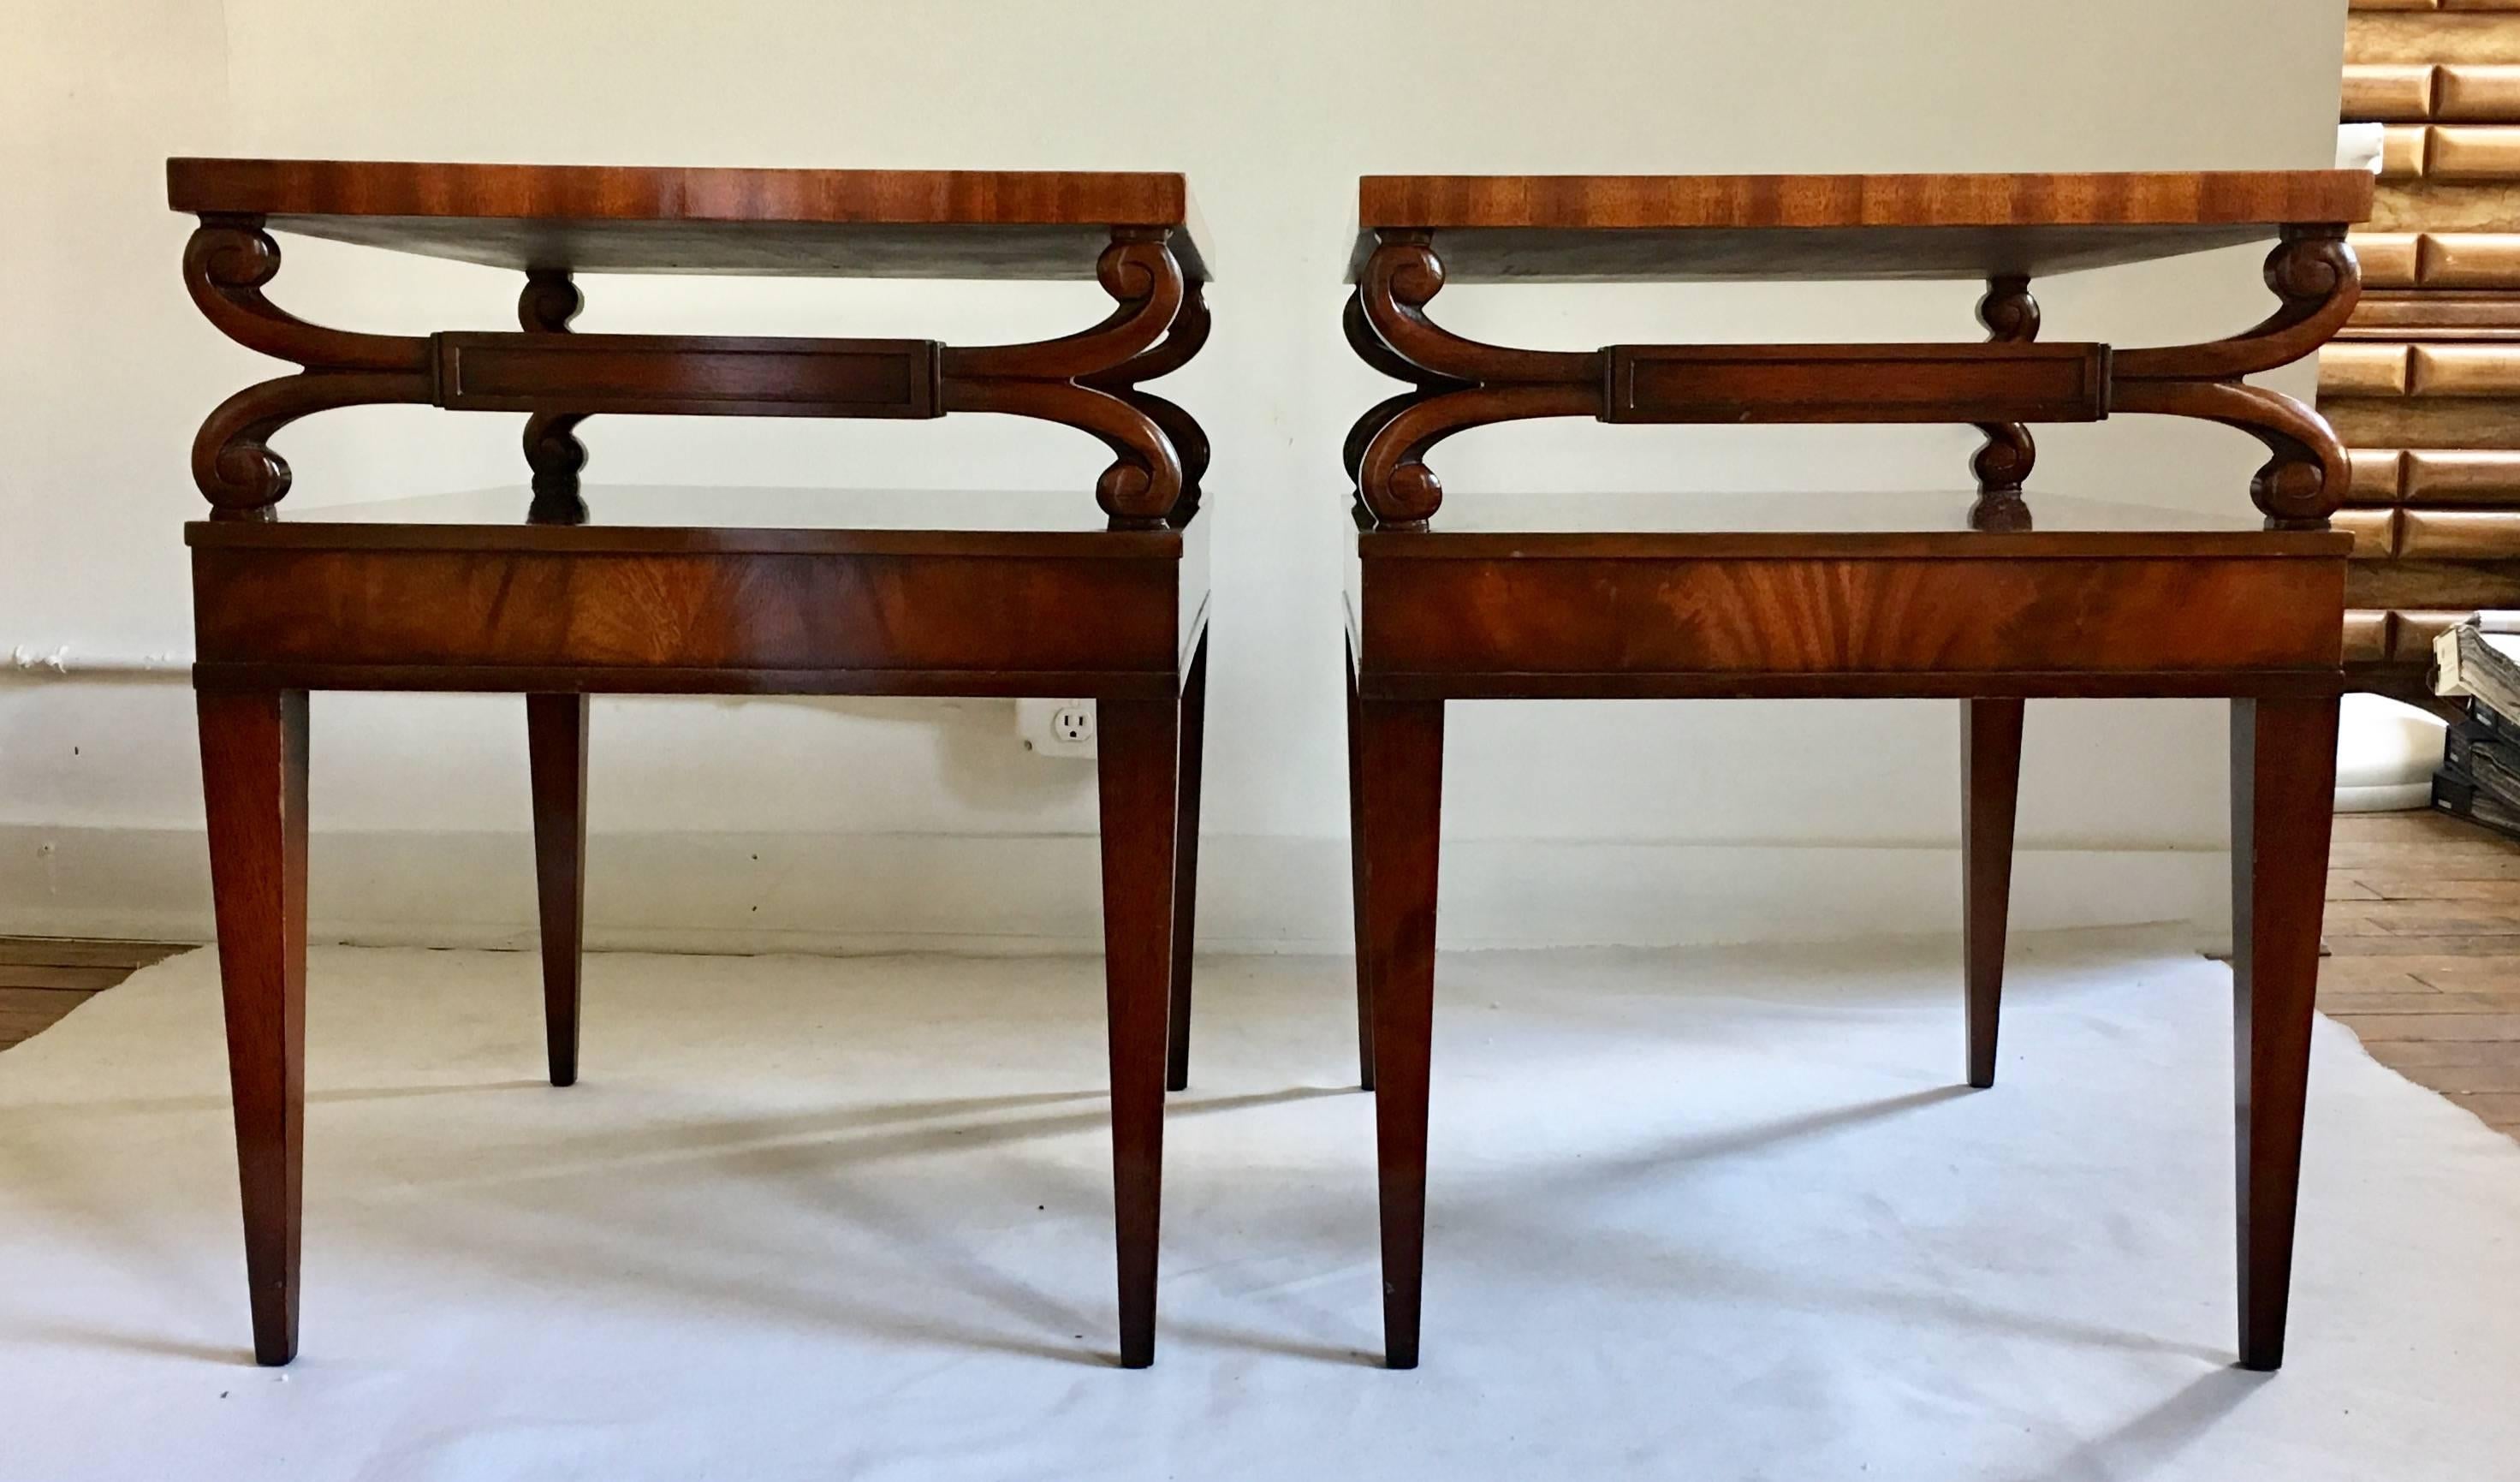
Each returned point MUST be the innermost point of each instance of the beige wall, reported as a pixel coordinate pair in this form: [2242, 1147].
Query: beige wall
[1272, 108]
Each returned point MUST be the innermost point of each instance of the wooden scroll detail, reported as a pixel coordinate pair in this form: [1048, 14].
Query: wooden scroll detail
[226, 263]
[1424, 385]
[2002, 464]
[1186, 337]
[1457, 383]
[558, 378]
[551, 299]
[1460, 384]
[1055, 379]
[2314, 273]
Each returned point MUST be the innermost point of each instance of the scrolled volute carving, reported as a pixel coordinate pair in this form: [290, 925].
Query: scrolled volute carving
[1460, 384]
[1139, 271]
[2314, 273]
[2003, 463]
[2009, 310]
[1401, 278]
[227, 262]
[549, 302]
[1088, 380]
[1181, 343]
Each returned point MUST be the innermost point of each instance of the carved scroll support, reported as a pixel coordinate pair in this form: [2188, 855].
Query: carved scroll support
[226, 263]
[2002, 464]
[552, 299]
[1424, 386]
[1088, 380]
[1460, 384]
[2313, 274]
[1183, 340]
[1999, 385]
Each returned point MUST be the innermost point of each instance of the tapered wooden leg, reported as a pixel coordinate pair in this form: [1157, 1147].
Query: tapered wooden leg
[2283, 796]
[1400, 757]
[1140, 752]
[1989, 785]
[556, 747]
[253, 784]
[1193, 728]
[1356, 881]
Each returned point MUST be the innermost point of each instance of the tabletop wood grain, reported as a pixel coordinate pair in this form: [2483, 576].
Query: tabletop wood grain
[1673, 228]
[622, 218]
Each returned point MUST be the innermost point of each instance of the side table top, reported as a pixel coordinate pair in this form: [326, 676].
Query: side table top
[1822, 523]
[631, 219]
[1670, 228]
[717, 520]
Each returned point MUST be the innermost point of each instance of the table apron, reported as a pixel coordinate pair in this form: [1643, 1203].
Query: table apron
[1883, 625]
[400, 617]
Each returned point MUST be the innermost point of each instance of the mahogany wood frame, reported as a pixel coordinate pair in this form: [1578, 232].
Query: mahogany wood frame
[1993, 614]
[2010, 380]
[1089, 379]
[558, 609]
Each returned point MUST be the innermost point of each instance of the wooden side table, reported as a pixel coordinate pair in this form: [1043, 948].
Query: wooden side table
[1988, 598]
[557, 598]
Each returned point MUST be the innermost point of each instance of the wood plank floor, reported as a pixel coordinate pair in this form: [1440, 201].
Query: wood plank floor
[42, 978]
[2424, 941]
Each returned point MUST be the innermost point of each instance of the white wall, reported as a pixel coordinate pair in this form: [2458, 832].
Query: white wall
[854, 822]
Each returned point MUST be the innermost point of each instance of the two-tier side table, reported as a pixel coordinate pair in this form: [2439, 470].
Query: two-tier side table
[556, 595]
[1985, 597]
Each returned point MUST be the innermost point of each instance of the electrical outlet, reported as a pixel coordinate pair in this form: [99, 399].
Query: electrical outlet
[1057, 727]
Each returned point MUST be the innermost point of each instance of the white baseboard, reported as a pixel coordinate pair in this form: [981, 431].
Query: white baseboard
[794, 892]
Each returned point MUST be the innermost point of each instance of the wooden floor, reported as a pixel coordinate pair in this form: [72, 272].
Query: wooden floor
[41, 979]
[2424, 941]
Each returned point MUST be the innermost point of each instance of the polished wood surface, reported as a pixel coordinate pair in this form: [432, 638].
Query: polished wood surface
[284, 606]
[1400, 746]
[1875, 594]
[1194, 746]
[386, 599]
[622, 219]
[1577, 228]
[1804, 521]
[2283, 779]
[2179, 198]
[1137, 763]
[555, 757]
[1990, 793]
[1876, 625]
[2010, 311]
[1993, 598]
[1364, 954]
[253, 771]
[1457, 384]
[558, 590]
[1091, 380]
[702, 517]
